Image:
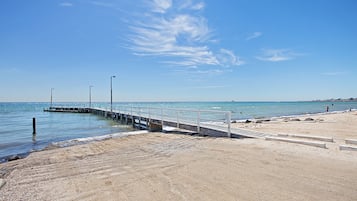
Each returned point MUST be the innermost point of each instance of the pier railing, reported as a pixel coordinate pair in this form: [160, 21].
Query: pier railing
[212, 119]
[205, 122]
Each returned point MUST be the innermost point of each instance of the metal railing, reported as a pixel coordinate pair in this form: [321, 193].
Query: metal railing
[212, 119]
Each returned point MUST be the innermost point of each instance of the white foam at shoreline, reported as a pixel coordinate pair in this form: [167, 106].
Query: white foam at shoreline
[95, 138]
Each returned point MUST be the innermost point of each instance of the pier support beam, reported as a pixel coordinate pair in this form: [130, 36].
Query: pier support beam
[155, 126]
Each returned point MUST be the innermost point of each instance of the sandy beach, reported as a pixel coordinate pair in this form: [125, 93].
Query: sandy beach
[339, 125]
[168, 166]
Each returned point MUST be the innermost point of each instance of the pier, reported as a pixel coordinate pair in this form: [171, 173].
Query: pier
[68, 109]
[212, 123]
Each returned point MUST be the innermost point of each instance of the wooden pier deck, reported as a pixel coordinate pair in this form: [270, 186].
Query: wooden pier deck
[155, 119]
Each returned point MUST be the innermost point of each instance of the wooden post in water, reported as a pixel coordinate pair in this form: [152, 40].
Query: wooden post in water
[34, 126]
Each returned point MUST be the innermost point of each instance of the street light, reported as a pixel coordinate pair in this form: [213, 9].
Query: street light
[51, 96]
[111, 92]
[90, 96]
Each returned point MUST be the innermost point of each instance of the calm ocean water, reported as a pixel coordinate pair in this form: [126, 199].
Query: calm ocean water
[16, 119]
[16, 127]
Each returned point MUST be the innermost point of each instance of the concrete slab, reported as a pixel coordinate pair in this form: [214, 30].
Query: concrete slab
[2, 183]
[314, 144]
[348, 148]
[283, 135]
[351, 141]
[309, 137]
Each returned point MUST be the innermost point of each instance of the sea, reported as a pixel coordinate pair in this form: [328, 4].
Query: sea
[16, 131]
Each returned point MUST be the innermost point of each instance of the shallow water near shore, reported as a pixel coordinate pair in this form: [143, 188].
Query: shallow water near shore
[16, 127]
[16, 120]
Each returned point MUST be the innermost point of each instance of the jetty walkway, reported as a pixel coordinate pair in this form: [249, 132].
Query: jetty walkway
[203, 122]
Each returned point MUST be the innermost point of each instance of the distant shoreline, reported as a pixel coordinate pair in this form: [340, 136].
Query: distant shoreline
[192, 101]
[337, 100]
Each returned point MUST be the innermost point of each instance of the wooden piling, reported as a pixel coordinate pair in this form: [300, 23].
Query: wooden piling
[34, 126]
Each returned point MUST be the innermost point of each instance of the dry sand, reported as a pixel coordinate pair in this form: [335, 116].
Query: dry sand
[157, 166]
[336, 125]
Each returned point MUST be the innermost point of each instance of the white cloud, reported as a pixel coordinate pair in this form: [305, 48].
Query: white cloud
[198, 6]
[182, 35]
[189, 4]
[276, 55]
[227, 58]
[254, 35]
[66, 4]
[161, 6]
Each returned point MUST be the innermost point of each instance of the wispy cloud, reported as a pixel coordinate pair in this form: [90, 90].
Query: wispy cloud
[178, 32]
[102, 4]
[66, 4]
[276, 55]
[190, 4]
[227, 58]
[160, 6]
[254, 35]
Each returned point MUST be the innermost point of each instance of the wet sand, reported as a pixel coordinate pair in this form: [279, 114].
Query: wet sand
[159, 166]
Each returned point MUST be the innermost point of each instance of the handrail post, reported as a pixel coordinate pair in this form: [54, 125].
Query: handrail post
[198, 121]
[177, 118]
[149, 113]
[229, 124]
[148, 118]
[162, 117]
[132, 117]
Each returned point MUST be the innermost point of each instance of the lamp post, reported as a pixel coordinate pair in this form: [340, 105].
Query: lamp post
[51, 96]
[111, 92]
[90, 96]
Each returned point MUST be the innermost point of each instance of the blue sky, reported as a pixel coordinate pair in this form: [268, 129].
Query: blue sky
[178, 50]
